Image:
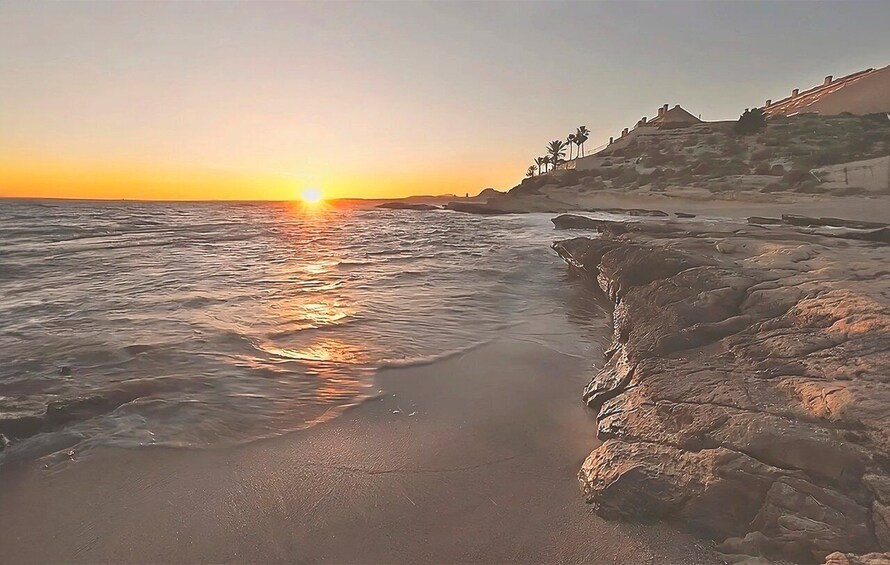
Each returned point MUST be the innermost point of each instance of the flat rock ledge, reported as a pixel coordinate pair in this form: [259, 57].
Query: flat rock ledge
[746, 394]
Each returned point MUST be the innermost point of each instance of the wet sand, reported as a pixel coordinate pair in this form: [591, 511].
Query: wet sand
[483, 471]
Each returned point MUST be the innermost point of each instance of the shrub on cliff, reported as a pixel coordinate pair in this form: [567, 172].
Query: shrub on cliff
[795, 176]
[750, 122]
[762, 154]
[595, 184]
[704, 167]
[629, 175]
[810, 186]
[762, 169]
[829, 155]
[656, 159]
[732, 148]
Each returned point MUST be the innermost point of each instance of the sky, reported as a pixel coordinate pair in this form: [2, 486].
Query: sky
[375, 99]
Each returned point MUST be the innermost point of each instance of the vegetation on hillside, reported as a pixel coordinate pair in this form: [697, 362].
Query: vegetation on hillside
[751, 121]
[574, 143]
[777, 157]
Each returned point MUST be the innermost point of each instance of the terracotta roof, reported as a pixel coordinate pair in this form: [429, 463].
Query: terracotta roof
[864, 92]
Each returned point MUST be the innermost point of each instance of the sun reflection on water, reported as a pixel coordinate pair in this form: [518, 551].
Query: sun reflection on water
[327, 350]
[297, 319]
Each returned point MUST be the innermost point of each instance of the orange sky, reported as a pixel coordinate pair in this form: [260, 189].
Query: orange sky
[255, 100]
[48, 177]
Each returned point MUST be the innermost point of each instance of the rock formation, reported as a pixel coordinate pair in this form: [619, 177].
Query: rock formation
[479, 208]
[746, 395]
[408, 206]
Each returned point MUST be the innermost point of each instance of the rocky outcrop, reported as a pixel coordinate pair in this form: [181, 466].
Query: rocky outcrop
[839, 558]
[807, 221]
[479, 208]
[746, 395]
[487, 193]
[408, 206]
[836, 227]
[576, 222]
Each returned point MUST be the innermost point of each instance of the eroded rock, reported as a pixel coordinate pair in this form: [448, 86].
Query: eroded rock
[839, 558]
[746, 394]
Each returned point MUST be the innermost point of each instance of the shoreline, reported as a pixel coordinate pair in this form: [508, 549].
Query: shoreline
[479, 464]
[870, 208]
[739, 386]
[741, 397]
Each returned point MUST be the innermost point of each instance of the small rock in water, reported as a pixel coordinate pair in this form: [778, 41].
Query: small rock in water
[65, 371]
[4, 442]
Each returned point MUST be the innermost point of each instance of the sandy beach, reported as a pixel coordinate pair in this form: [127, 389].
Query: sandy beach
[483, 471]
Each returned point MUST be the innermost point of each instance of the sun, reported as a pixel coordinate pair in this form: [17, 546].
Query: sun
[311, 195]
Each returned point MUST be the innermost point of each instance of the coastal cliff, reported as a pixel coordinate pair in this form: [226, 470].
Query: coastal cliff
[797, 163]
[745, 393]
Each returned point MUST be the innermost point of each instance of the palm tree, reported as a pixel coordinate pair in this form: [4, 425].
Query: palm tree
[539, 161]
[582, 135]
[557, 150]
[547, 162]
[530, 172]
[570, 141]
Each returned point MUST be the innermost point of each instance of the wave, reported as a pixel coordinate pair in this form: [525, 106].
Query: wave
[431, 359]
[200, 325]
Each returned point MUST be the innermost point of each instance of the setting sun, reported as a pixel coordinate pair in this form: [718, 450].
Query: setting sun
[311, 195]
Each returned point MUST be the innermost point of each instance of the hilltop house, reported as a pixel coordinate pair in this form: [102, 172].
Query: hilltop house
[676, 117]
[864, 92]
[666, 119]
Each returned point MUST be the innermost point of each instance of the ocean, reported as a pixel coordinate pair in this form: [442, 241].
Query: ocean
[200, 325]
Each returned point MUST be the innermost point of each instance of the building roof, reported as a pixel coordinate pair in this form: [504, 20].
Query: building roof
[864, 92]
[674, 116]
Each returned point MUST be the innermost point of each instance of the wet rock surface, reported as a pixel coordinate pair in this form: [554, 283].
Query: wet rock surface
[807, 221]
[746, 394]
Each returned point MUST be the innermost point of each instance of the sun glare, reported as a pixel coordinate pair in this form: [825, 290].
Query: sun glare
[311, 195]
